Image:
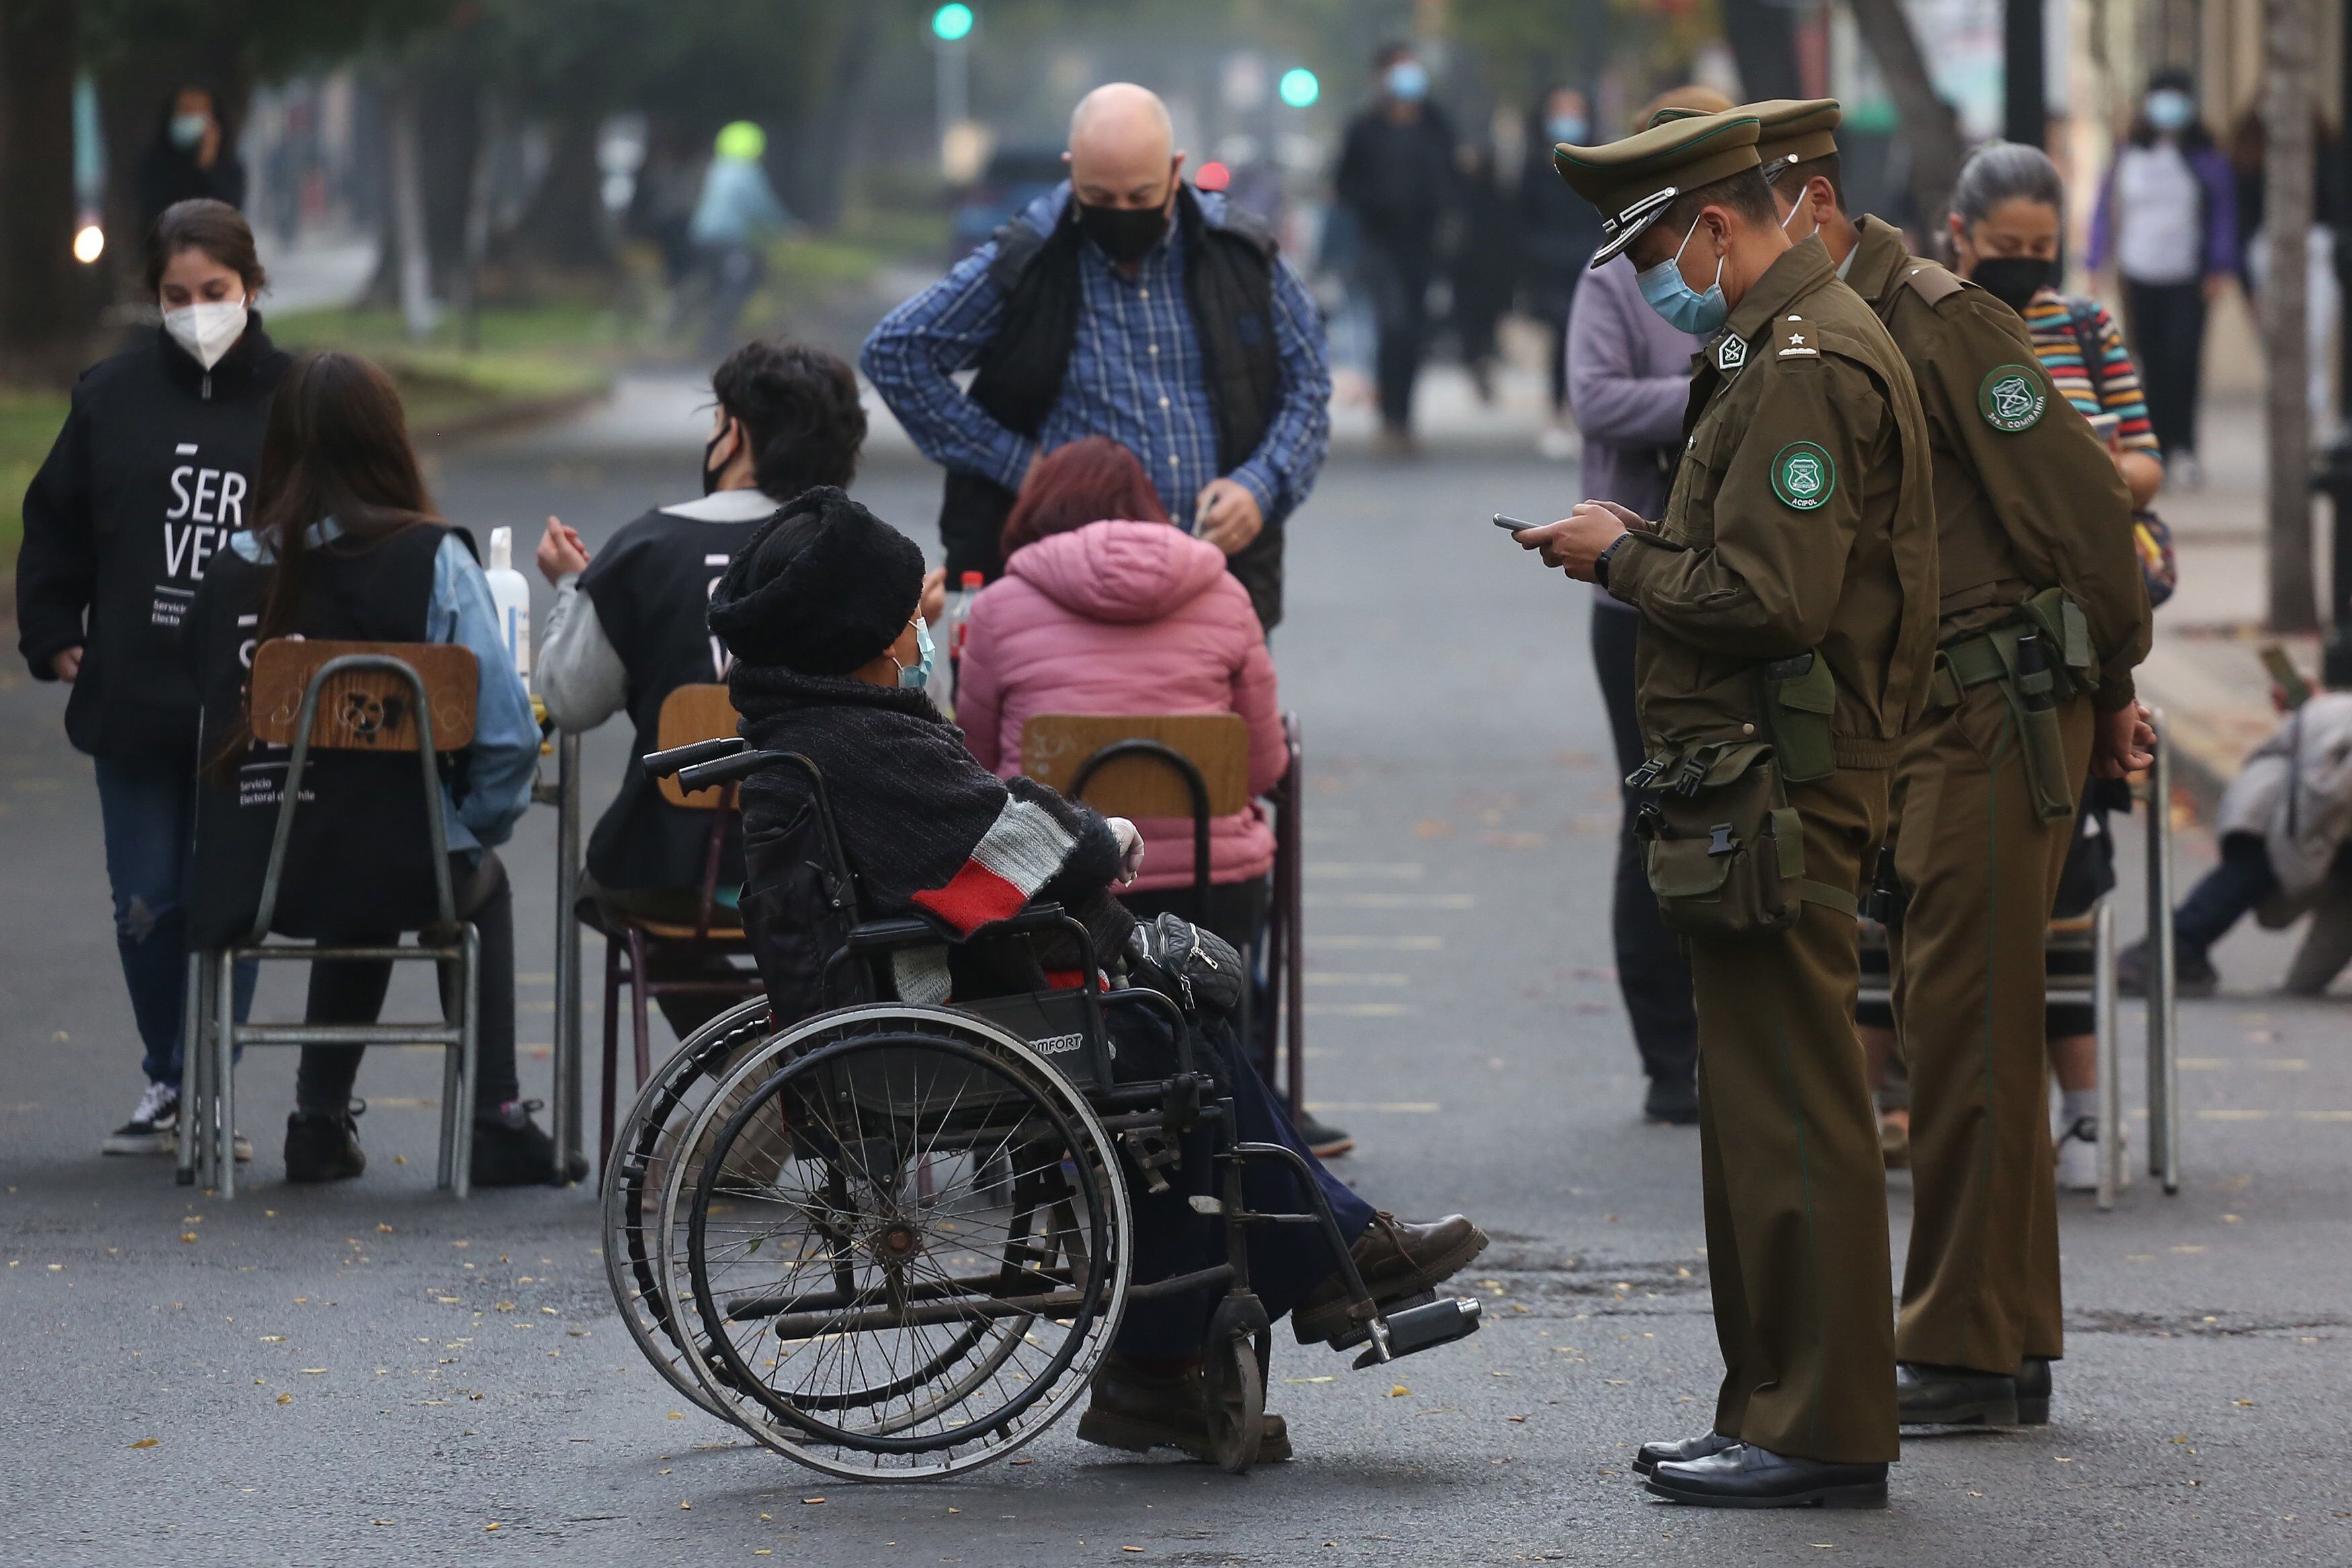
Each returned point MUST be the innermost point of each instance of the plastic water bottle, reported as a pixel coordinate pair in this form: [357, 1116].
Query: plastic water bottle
[959, 613]
[511, 595]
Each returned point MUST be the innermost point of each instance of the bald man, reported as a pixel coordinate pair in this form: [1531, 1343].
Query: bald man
[1123, 303]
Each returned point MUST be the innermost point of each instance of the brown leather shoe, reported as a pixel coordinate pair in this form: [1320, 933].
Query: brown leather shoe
[1139, 1410]
[1397, 1261]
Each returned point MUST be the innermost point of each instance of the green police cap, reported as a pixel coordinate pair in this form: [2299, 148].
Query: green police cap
[1794, 131]
[1633, 181]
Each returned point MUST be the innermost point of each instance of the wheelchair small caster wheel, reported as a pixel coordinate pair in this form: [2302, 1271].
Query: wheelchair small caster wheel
[1236, 1401]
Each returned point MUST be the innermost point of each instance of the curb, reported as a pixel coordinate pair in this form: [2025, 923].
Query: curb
[506, 418]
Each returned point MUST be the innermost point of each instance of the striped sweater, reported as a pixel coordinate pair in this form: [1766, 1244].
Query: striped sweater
[2048, 319]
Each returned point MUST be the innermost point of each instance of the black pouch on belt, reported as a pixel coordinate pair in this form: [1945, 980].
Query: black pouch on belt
[1724, 850]
[1798, 698]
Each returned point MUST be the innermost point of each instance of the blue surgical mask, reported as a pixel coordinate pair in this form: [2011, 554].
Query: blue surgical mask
[1568, 128]
[1408, 80]
[188, 130]
[917, 675]
[1683, 308]
[2171, 109]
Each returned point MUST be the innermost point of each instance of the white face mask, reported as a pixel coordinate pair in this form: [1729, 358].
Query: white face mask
[208, 331]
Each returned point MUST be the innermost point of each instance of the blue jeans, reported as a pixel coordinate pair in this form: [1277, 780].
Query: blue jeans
[148, 806]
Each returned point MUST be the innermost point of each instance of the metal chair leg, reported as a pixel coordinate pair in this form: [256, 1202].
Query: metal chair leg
[468, 1062]
[612, 1050]
[192, 1034]
[449, 977]
[638, 1005]
[220, 1118]
[2111, 1075]
[2163, 1015]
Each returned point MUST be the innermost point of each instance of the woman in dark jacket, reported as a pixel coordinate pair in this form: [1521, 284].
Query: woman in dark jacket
[151, 474]
[820, 611]
[191, 158]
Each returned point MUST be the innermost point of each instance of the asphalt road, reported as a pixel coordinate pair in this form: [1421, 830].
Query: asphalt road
[312, 1376]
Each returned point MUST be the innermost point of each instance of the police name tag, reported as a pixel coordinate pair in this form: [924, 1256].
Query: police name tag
[1803, 476]
[2010, 398]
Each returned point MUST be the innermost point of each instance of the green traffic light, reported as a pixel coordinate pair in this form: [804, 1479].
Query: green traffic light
[951, 23]
[1299, 89]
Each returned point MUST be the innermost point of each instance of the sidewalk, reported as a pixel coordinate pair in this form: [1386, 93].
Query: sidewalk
[2205, 672]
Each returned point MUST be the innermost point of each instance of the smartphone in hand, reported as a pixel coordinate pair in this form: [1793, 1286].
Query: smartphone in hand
[2289, 680]
[1513, 524]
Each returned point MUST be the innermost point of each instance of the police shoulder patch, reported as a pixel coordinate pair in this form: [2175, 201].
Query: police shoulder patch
[1803, 476]
[2013, 398]
[1731, 353]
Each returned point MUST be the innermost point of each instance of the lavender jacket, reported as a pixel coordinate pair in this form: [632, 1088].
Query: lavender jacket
[1628, 381]
[2219, 213]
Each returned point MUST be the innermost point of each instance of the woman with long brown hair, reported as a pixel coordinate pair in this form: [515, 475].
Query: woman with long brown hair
[346, 545]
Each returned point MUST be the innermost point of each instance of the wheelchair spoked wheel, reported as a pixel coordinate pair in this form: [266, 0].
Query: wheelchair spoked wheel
[908, 1245]
[635, 1179]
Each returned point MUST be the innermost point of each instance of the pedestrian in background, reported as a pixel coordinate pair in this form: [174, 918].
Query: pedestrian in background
[2005, 223]
[191, 157]
[1486, 269]
[153, 472]
[2166, 217]
[1558, 235]
[1397, 178]
[1122, 303]
[1629, 380]
[735, 217]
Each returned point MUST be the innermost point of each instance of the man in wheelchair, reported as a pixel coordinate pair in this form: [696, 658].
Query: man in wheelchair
[830, 659]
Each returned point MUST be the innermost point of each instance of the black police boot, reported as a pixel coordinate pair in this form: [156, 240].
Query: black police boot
[1653, 1454]
[2033, 1392]
[1927, 1395]
[323, 1145]
[1745, 1476]
[1672, 1102]
[509, 1150]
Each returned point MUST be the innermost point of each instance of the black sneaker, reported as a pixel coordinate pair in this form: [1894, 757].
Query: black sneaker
[153, 1127]
[1327, 1142]
[2193, 975]
[324, 1145]
[509, 1150]
[1675, 1104]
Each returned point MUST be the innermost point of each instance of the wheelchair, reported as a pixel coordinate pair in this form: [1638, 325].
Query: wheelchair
[892, 1241]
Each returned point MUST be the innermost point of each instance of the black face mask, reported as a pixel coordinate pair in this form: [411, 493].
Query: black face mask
[710, 475]
[1125, 233]
[2013, 279]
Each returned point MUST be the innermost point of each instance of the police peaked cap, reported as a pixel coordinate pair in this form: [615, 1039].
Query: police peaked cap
[1633, 181]
[1789, 130]
[824, 588]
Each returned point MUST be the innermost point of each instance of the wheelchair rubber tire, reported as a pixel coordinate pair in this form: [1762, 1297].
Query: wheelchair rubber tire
[1235, 1403]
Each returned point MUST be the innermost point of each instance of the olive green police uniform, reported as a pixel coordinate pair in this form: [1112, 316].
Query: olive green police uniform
[1788, 606]
[2026, 500]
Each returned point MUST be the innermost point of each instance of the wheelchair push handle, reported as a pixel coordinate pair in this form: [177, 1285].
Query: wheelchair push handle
[677, 759]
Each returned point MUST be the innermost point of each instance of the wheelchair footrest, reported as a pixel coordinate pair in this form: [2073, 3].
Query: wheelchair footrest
[1422, 1327]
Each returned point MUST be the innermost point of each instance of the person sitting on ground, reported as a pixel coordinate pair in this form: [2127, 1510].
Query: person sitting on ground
[629, 628]
[345, 545]
[821, 611]
[1105, 608]
[2285, 834]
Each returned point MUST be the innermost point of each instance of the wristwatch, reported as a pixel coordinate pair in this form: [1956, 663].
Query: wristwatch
[1600, 561]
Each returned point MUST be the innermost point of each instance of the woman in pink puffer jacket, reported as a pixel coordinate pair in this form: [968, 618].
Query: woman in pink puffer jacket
[1107, 608]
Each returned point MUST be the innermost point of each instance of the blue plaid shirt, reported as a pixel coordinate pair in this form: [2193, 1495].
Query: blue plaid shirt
[1135, 375]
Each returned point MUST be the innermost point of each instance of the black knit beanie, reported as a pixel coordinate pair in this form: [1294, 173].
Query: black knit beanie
[824, 588]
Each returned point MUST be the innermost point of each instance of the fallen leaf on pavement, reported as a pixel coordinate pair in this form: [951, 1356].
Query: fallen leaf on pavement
[146, 1442]
[1399, 1392]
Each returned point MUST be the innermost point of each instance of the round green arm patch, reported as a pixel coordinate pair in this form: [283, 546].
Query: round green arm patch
[2011, 398]
[1803, 476]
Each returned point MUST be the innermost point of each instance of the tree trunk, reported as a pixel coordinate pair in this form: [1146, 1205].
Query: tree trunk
[443, 98]
[1930, 129]
[812, 169]
[2291, 41]
[1763, 40]
[563, 226]
[47, 301]
[407, 246]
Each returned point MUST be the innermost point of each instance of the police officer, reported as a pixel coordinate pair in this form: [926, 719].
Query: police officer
[2042, 617]
[1789, 607]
